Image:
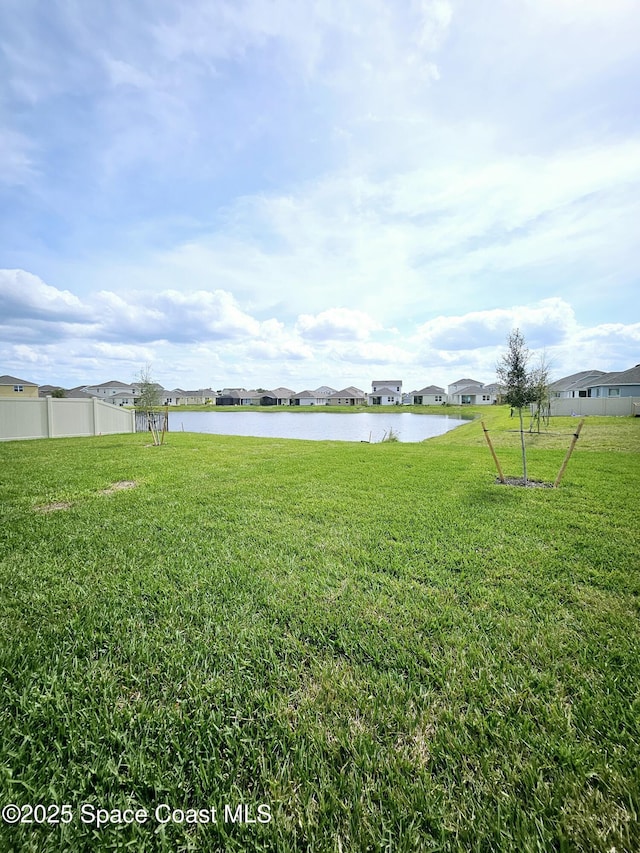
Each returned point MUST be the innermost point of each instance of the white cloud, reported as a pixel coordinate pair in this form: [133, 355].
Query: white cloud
[543, 324]
[24, 295]
[336, 324]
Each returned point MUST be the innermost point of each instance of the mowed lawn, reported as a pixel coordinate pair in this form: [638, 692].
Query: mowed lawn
[375, 646]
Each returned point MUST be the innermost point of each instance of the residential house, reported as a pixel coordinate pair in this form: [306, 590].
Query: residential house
[625, 383]
[180, 397]
[77, 393]
[230, 396]
[124, 398]
[47, 390]
[283, 396]
[349, 396]
[250, 398]
[470, 392]
[494, 391]
[269, 398]
[385, 392]
[432, 395]
[576, 385]
[106, 390]
[309, 398]
[12, 387]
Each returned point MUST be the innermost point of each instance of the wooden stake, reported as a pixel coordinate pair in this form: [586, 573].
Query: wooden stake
[576, 436]
[493, 453]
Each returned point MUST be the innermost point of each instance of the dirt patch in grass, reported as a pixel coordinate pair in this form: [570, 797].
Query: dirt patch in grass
[519, 481]
[53, 507]
[119, 486]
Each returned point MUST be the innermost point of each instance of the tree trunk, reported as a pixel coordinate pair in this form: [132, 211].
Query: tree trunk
[524, 453]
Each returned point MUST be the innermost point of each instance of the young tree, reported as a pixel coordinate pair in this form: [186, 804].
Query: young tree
[148, 399]
[517, 382]
[542, 399]
[148, 396]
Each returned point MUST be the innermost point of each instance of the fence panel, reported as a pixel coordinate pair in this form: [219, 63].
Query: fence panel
[158, 420]
[51, 417]
[594, 405]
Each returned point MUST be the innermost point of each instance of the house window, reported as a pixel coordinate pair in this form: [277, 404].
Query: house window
[438, 398]
[485, 397]
[18, 388]
[614, 392]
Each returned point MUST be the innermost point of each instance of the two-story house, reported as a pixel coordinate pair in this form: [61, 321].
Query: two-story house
[385, 392]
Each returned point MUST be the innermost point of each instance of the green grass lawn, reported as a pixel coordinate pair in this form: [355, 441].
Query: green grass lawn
[377, 642]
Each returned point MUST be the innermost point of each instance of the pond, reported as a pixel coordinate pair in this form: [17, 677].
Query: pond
[325, 426]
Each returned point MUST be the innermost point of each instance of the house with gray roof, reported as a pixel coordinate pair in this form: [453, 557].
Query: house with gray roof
[11, 386]
[625, 383]
[575, 385]
[108, 389]
[385, 392]
[180, 397]
[283, 396]
[431, 395]
[350, 396]
[309, 398]
[470, 392]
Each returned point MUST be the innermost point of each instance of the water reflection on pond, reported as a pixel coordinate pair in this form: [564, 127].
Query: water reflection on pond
[325, 426]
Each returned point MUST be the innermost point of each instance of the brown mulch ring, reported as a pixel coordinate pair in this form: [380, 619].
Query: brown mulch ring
[519, 481]
[53, 507]
[119, 486]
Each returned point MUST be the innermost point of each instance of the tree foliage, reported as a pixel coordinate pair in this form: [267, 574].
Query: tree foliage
[518, 383]
[148, 396]
[148, 401]
[542, 398]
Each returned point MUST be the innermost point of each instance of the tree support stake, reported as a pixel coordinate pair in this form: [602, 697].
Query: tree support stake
[493, 453]
[575, 437]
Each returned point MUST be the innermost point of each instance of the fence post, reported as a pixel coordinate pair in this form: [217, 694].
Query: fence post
[50, 417]
[96, 414]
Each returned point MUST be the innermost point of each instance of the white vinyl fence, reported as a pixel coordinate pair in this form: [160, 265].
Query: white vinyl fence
[595, 406]
[51, 417]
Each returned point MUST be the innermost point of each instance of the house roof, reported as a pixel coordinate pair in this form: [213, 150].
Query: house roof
[13, 380]
[77, 393]
[283, 392]
[113, 383]
[306, 393]
[624, 377]
[430, 389]
[387, 382]
[387, 391]
[324, 390]
[348, 392]
[471, 389]
[468, 382]
[575, 380]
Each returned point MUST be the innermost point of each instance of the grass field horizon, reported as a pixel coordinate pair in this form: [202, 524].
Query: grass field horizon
[376, 645]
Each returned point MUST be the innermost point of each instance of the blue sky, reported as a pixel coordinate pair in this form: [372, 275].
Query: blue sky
[270, 192]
